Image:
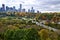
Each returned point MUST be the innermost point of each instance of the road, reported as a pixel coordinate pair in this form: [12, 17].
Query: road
[48, 27]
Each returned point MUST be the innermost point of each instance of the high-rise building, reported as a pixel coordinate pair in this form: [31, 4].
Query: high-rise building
[29, 10]
[37, 11]
[7, 8]
[23, 10]
[20, 9]
[32, 10]
[0, 9]
[3, 7]
[14, 9]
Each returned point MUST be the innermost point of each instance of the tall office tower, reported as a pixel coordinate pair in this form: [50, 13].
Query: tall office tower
[3, 7]
[29, 10]
[37, 11]
[23, 10]
[0, 9]
[7, 8]
[20, 9]
[32, 10]
[14, 9]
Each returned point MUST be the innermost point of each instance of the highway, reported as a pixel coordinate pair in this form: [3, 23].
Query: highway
[48, 27]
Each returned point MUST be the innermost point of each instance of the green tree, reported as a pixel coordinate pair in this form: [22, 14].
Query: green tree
[32, 34]
[21, 34]
[44, 34]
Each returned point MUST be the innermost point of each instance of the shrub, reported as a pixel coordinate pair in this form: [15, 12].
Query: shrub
[21, 34]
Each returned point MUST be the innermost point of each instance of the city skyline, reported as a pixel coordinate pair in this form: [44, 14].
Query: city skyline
[41, 5]
[13, 9]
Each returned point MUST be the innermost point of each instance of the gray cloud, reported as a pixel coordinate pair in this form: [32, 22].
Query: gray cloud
[49, 5]
[42, 5]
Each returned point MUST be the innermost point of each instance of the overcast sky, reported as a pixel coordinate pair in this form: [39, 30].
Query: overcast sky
[41, 5]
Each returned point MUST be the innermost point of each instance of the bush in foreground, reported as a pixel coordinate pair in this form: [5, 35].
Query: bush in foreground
[21, 34]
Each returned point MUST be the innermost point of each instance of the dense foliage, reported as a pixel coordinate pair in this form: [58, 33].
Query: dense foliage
[21, 34]
[29, 34]
[15, 27]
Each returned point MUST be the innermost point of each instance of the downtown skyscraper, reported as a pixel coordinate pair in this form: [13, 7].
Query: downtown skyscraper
[20, 8]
